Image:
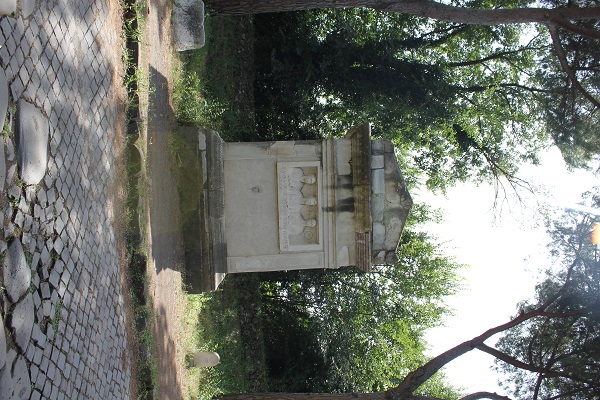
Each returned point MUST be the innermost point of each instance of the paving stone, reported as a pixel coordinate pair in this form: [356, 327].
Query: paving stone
[45, 289]
[17, 274]
[41, 378]
[6, 380]
[47, 307]
[33, 129]
[20, 379]
[22, 321]
[37, 357]
[26, 7]
[2, 165]
[3, 97]
[47, 389]
[33, 373]
[54, 278]
[9, 231]
[19, 219]
[37, 301]
[2, 343]
[9, 178]
[8, 7]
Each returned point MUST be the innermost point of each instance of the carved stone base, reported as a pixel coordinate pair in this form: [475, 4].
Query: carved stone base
[205, 247]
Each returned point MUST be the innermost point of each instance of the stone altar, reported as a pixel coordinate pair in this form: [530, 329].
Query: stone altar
[273, 206]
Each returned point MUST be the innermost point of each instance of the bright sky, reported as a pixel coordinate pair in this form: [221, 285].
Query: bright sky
[505, 257]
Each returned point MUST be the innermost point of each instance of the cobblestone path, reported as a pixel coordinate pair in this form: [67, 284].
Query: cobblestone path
[62, 300]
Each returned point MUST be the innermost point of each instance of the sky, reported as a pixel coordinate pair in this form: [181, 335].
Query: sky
[505, 250]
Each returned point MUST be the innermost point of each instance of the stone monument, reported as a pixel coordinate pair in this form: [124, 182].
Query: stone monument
[272, 206]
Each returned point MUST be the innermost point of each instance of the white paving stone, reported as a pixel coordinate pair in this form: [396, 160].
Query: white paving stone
[17, 274]
[8, 7]
[22, 321]
[3, 97]
[2, 343]
[34, 130]
[2, 165]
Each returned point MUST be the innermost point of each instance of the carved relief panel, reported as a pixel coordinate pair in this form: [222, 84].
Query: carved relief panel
[299, 199]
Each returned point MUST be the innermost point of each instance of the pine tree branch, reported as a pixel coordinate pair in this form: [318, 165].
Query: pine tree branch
[495, 56]
[562, 58]
[563, 23]
[416, 378]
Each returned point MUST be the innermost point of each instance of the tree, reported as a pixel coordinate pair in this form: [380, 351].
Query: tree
[422, 8]
[550, 347]
[361, 332]
[508, 111]
[319, 72]
[558, 358]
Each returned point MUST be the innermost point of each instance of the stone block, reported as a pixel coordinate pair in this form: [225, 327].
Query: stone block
[377, 147]
[377, 207]
[392, 234]
[378, 181]
[377, 162]
[188, 24]
[378, 235]
[392, 193]
[205, 359]
[388, 147]
[201, 141]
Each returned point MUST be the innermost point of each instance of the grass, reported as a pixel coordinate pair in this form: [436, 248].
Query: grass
[136, 83]
[213, 85]
[7, 128]
[56, 318]
[135, 79]
[212, 322]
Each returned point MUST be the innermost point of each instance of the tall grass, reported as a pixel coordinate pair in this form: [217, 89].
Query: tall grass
[214, 323]
[213, 85]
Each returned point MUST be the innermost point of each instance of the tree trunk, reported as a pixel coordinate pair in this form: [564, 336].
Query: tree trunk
[423, 8]
[305, 396]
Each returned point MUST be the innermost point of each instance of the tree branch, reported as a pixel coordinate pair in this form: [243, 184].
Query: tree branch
[592, 33]
[509, 359]
[484, 395]
[562, 58]
[494, 56]
[416, 378]
[538, 384]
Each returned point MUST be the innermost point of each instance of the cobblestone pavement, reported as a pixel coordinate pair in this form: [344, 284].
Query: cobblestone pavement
[61, 296]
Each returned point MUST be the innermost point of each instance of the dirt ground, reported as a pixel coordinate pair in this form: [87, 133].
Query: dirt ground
[165, 257]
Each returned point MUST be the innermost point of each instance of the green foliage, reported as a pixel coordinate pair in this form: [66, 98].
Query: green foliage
[360, 332]
[219, 320]
[562, 352]
[214, 83]
[463, 102]
[191, 105]
[570, 117]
